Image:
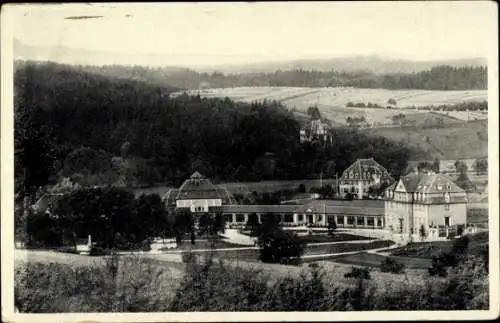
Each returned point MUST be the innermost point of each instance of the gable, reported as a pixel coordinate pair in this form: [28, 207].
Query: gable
[400, 187]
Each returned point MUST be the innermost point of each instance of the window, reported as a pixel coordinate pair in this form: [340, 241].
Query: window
[371, 221]
[360, 220]
[288, 217]
[240, 218]
[446, 221]
[350, 220]
[340, 220]
[228, 217]
[301, 217]
[400, 225]
[379, 222]
[447, 207]
[351, 175]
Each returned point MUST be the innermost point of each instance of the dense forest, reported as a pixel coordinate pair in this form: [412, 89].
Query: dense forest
[436, 78]
[96, 130]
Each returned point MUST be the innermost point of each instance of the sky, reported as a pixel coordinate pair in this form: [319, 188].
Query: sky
[233, 33]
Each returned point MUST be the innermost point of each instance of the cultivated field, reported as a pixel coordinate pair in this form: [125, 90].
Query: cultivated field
[332, 101]
[461, 141]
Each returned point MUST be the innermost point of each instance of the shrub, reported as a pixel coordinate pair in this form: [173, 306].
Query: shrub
[188, 257]
[280, 247]
[138, 285]
[356, 272]
[460, 245]
[441, 262]
[391, 265]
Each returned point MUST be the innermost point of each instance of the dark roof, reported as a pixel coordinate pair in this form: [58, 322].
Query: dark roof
[434, 188]
[366, 169]
[198, 187]
[429, 183]
[355, 207]
[280, 208]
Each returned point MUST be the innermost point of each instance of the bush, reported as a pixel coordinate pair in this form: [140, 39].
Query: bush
[391, 265]
[280, 247]
[188, 257]
[143, 285]
[139, 285]
[460, 245]
[441, 262]
[356, 272]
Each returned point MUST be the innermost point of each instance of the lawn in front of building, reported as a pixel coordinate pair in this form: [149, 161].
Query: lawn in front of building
[374, 260]
[336, 237]
[345, 247]
[429, 249]
[203, 245]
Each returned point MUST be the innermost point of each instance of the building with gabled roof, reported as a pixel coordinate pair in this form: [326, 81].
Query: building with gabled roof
[198, 194]
[425, 204]
[361, 175]
[316, 130]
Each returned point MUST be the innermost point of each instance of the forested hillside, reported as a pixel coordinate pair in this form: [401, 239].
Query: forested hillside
[436, 78]
[86, 126]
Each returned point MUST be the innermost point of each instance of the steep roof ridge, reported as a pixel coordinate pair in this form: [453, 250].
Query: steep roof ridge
[431, 184]
[448, 180]
[384, 171]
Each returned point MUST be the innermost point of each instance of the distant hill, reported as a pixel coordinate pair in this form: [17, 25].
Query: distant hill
[352, 64]
[372, 64]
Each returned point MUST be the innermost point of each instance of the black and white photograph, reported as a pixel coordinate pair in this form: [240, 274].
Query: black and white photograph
[267, 161]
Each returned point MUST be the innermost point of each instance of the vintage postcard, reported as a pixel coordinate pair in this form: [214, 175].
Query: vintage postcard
[260, 161]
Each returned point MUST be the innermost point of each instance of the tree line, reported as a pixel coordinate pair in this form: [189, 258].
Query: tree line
[437, 78]
[462, 106]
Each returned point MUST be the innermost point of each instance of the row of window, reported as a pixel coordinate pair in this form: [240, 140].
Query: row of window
[421, 207]
[351, 220]
[357, 175]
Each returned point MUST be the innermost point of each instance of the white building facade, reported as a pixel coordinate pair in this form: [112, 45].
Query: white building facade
[425, 207]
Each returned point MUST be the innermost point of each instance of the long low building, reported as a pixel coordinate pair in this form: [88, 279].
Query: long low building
[356, 213]
[199, 195]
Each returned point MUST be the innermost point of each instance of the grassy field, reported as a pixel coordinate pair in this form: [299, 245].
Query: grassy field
[204, 244]
[427, 250]
[333, 238]
[374, 260]
[332, 101]
[469, 140]
[338, 97]
[345, 247]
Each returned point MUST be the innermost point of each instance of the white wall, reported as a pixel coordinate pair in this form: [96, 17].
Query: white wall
[456, 212]
[203, 203]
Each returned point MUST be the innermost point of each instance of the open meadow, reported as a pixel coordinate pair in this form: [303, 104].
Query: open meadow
[462, 141]
[332, 102]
